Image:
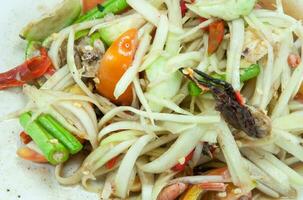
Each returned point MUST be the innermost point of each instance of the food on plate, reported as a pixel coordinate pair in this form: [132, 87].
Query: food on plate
[166, 99]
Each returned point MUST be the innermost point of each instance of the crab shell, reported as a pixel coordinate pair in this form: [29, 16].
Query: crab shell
[263, 122]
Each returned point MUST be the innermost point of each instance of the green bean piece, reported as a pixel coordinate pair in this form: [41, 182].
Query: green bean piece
[250, 72]
[109, 6]
[193, 89]
[60, 133]
[51, 148]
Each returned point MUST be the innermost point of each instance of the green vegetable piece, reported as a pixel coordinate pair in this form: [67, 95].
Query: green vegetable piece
[111, 32]
[81, 34]
[250, 72]
[109, 6]
[58, 131]
[62, 17]
[95, 36]
[226, 9]
[193, 89]
[52, 149]
[32, 49]
[156, 73]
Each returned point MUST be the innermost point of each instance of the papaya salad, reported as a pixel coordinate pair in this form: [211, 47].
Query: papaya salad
[166, 99]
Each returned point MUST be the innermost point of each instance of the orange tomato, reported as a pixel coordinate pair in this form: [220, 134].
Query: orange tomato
[90, 4]
[116, 60]
[31, 155]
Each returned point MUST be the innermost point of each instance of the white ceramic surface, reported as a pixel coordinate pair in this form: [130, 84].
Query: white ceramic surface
[21, 179]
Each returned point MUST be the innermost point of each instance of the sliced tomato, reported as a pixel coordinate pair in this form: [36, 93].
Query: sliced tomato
[216, 35]
[90, 4]
[116, 60]
[181, 167]
[31, 155]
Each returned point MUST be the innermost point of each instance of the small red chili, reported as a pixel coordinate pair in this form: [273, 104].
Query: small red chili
[111, 163]
[181, 167]
[28, 71]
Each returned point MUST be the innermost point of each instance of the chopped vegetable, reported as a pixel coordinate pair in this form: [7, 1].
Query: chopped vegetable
[110, 164]
[81, 34]
[165, 88]
[216, 35]
[29, 154]
[90, 4]
[109, 6]
[52, 149]
[250, 72]
[60, 133]
[113, 31]
[25, 138]
[183, 7]
[181, 166]
[114, 63]
[226, 9]
[63, 16]
[26, 72]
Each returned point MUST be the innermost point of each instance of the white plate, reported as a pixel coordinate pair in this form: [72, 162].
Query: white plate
[21, 179]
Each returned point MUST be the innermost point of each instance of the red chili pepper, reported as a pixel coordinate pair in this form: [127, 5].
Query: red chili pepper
[110, 164]
[202, 19]
[240, 98]
[26, 72]
[184, 7]
[216, 35]
[25, 137]
[181, 167]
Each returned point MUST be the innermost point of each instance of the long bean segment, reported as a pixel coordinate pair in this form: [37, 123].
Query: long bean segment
[109, 6]
[52, 149]
[60, 133]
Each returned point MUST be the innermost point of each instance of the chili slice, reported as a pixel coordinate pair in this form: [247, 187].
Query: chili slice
[216, 35]
[26, 72]
[181, 167]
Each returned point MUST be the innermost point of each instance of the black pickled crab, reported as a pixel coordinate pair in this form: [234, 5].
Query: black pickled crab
[234, 111]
